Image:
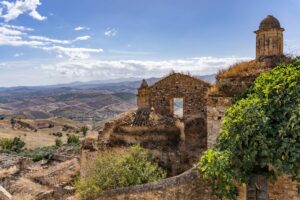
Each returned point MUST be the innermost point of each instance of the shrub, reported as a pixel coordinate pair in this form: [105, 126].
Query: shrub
[58, 143]
[40, 153]
[14, 145]
[73, 139]
[111, 170]
[84, 130]
[58, 134]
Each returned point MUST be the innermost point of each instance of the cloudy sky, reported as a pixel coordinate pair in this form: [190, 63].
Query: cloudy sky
[58, 41]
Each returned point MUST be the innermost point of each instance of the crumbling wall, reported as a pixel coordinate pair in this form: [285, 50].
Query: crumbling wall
[283, 188]
[187, 186]
[235, 86]
[192, 90]
[216, 108]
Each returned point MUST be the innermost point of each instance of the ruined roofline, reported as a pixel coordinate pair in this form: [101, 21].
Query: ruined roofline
[180, 74]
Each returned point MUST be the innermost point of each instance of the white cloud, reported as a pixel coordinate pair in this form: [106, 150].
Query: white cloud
[10, 31]
[19, 28]
[18, 54]
[18, 36]
[80, 28]
[73, 53]
[110, 32]
[46, 39]
[81, 38]
[19, 7]
[13, 36]
[90, 69]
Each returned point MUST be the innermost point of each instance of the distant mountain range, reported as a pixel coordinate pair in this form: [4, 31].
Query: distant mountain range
[113, 83]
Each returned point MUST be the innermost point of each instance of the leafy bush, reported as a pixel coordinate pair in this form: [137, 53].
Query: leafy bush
[260, 133]
[14, 145]
[39, 153]
[58, 143]
[84, 130]
[111, 170]
[73, 139]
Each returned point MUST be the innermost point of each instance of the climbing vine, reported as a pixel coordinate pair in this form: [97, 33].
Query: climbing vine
[261, 131]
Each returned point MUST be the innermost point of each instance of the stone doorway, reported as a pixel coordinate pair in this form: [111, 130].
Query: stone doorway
[177, 107]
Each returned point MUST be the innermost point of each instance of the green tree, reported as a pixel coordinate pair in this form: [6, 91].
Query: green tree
[113, 170]
[84, 130]
[260, 136]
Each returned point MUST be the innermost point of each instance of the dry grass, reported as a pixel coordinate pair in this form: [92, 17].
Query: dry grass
[245, 68]
[57, 174]
[213, 89]
[32, 139]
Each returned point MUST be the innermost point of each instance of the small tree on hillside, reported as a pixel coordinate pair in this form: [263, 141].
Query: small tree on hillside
[260, 137]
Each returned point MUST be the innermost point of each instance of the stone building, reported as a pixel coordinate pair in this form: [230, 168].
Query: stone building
[269, 38]
[160, 96]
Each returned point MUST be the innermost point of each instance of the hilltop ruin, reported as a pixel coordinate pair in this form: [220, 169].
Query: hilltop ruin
[177, 143]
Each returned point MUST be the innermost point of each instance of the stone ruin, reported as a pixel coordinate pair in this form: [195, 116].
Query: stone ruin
[177, 143]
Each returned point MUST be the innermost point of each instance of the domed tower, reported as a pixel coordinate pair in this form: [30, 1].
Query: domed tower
[143, 95]
[269, 38]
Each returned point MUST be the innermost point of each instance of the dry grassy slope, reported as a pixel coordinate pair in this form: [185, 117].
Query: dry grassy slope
[42, 136]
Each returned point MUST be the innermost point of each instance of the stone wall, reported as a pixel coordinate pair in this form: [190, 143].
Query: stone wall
[192, 186]
[283, 189]
[192, 90]
[216, 108]
[187, 186]
[147, 137]
[235, 86]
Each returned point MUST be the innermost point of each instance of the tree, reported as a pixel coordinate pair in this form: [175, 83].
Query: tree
[260, 136]
[84, 130]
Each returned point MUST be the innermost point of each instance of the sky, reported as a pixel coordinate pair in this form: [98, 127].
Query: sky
[45, 42]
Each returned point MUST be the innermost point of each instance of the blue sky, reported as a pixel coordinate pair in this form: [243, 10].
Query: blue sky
[57, 41]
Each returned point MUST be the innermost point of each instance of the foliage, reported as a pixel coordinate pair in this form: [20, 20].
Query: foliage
[261, 131]
[73, 139]
[84, 130]
[14, 145]
[214, 163]
[111, 170]
[39, 153]
[58, 143]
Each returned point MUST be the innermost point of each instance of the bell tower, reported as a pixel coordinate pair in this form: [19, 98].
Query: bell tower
[269, 38]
